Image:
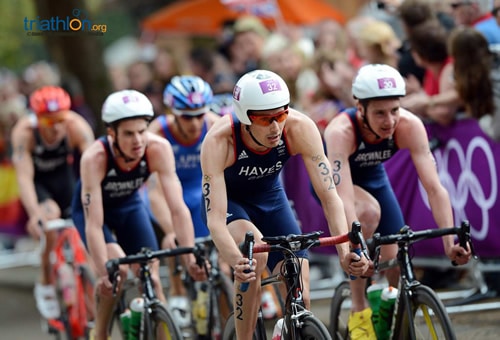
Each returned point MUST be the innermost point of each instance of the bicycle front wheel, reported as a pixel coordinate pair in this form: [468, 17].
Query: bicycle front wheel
[230, 329]
[160, 325]
[429, 317]
[220, 305]
[340, 308]
[312, 328]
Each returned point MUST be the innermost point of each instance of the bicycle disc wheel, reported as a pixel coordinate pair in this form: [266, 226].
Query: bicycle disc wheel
[230, 330]
[340, 308]
[429, 317]
[160, 325]
[312, 328]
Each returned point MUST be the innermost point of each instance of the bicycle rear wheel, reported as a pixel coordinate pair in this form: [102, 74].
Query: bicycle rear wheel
[160, 325]
[428, 316]
[340, 308]
[312, 328]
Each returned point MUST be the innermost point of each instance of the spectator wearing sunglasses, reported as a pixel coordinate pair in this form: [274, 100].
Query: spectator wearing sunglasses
[477, 13]
[241, 160]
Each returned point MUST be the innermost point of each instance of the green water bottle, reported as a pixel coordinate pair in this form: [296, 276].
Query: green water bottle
[387, 301]
[136, 309]
[374, 295]
[125, 322]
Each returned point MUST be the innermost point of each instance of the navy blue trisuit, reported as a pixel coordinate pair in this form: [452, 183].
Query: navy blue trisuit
[255, 192]
[54, 177]
[126, 219]
[368, 172]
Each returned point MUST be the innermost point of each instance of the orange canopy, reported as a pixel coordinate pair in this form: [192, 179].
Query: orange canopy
[207, 17]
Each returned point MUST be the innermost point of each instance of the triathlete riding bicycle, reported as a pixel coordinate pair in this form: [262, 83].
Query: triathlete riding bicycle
[241, 158]
[107, 209]
[44, 144]
[187, 99]
[358, 141]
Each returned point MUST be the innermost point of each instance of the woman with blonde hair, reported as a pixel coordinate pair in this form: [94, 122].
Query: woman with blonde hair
[378, 43]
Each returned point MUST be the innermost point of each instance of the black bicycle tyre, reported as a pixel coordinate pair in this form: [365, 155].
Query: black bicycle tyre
[338, 322]
[220, 301]
[312, 328]
[230, 329]
[423, 296]
[159, 314]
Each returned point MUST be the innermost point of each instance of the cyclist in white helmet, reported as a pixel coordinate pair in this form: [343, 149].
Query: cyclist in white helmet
[241, 159]
[358, 141]
[107, 210]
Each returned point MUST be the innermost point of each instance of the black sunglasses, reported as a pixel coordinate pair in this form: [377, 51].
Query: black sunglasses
[190, 117]
[455, 5]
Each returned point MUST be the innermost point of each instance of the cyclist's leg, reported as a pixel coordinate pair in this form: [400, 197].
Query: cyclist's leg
[246, 305]
[105, 304]
[391, 221]
[134, 232]
[51, 211]
[368, 214]
[45, 292]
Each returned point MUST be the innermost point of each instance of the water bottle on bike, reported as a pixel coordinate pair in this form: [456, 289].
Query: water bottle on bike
[387, 301]
[136, 308]
[374, 295]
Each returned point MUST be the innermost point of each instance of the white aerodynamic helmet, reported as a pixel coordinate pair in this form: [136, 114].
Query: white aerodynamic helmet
[126, 104]
[259, 90]
[378, 81]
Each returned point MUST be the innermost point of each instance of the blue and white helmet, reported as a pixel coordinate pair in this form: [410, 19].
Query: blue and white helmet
[187, 95]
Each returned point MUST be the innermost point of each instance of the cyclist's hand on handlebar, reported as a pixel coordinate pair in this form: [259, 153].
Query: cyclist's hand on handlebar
[458, 254]
[34, 228]
[104, 287]
[244, 271]
[168, 241]
[355, 264]
[195, 271]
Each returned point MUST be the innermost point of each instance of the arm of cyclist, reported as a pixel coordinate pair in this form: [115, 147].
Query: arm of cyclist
[412, 135]
[161, 160]
[307, 142]
[92, 172]
[22, 143]
[340, 144]
[215, 157]
[161, 211]
[80, 133]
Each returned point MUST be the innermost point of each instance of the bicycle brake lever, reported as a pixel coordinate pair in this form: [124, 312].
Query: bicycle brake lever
[247, 250]
[464, 237]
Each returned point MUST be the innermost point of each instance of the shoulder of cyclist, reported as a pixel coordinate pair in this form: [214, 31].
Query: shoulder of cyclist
[79, 131]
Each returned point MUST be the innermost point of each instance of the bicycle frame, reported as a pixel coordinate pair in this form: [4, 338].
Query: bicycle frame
[143, 258]
[295, 310]
[69, 249]
[408, 281]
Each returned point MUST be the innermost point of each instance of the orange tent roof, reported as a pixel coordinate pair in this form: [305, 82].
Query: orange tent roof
[207, 17]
